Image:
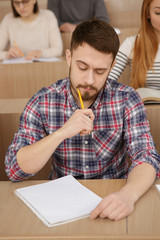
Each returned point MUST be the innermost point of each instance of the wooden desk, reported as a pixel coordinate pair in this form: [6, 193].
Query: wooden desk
[23, 80]
[145, 221]
[17, 221]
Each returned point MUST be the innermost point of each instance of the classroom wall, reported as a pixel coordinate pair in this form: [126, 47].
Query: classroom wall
[124, 13]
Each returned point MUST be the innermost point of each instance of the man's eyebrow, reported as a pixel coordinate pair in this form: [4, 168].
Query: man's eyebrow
[80, 61]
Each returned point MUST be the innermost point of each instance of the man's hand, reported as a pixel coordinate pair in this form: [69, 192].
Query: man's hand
[67, 27]
[120, 204]
[115, 206]
[80, 122]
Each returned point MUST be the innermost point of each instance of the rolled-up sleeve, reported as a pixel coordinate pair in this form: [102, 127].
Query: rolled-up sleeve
[30, 131]
[140, 145]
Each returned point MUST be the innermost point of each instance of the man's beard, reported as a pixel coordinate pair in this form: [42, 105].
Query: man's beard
[87, 95]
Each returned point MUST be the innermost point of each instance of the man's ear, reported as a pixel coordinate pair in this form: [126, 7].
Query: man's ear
[68, 57]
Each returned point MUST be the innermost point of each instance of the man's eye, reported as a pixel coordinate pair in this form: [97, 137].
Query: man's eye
[83, 68]
[100, 72]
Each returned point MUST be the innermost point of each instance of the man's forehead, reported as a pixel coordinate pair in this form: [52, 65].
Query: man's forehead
[91, 57]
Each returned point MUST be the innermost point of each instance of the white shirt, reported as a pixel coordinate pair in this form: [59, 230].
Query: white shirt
[124, 57]
[41, 34]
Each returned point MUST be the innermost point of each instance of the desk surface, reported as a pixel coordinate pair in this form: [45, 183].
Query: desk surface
[145, 220]
[17, 221]
[24, 80]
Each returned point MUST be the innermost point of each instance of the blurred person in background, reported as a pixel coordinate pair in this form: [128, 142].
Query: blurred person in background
[30, 32]
[69, 13]
[142, 52]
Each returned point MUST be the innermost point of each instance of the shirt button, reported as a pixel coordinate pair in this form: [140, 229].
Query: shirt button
[87, 166]
[86, 142]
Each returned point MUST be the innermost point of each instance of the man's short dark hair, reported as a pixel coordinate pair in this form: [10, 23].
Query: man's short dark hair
[98, 34]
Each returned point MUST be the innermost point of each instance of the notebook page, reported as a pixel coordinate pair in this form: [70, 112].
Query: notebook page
[158, 187]
[16, 61]
[42, 59]
[59, 201]
[23, 60]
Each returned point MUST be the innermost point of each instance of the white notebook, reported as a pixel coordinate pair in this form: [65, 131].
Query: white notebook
[158, 187]
[16, 61]
[59, 201]
[23, 60]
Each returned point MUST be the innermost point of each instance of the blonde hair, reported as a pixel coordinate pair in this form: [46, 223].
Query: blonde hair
[145, 48]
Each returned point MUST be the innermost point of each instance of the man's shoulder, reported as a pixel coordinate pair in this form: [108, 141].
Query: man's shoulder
[54, 92]
[123, 92]
[57, 87]
[114, 85]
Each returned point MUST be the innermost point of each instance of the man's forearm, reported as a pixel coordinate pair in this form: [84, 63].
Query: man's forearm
[32, 158]
[120, 204]
[140, 179]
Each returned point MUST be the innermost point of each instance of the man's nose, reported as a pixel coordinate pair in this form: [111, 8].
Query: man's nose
[90, 78]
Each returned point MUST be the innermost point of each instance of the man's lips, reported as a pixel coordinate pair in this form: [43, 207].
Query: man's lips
[88, 89]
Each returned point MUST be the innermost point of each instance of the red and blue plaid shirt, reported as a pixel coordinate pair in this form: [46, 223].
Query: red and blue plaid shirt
[120, 127]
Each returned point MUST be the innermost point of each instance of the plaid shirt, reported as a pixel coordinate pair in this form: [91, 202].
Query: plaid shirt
[120, 126]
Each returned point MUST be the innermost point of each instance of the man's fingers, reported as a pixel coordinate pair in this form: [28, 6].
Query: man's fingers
[100, 207]
[111, 207]
[89, 113]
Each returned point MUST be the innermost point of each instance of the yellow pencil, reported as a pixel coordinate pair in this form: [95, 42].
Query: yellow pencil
[15, 44]
[80, 98]
[82, 105]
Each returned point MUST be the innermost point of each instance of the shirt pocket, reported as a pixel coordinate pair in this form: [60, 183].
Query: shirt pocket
[107, 144]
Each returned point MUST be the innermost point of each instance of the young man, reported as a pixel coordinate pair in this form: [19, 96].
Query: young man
[90, 142]
[69, 13]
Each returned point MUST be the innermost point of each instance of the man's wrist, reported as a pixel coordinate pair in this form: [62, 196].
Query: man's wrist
[130, 191]
[59, 135]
